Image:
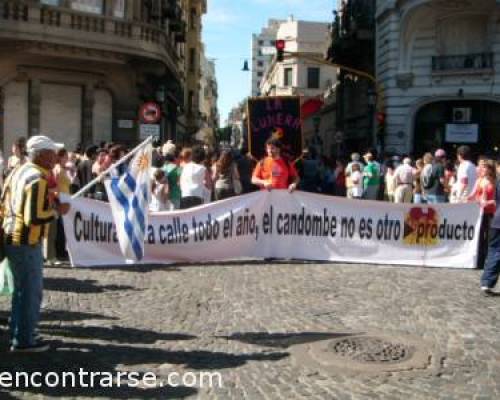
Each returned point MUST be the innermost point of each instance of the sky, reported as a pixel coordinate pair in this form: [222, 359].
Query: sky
[227, 34]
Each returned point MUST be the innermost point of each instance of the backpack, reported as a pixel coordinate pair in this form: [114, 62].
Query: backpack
[427, 177]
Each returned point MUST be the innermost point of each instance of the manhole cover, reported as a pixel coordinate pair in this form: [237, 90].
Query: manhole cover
[366, 353]
[371, 350]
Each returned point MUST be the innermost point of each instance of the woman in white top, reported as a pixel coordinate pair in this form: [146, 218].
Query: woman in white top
[159, 192]
[195, 178]
[356, 178]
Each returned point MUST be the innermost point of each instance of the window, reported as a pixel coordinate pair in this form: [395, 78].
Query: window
[51, 2]
[272, 43]
[313, 78]
[119, 9]
[259, 53]
[288, 77]
[192, 60]
[260, 63]
[463, 35]
[260, 74]
[190, 102]
[90, 6]
[261, 43]
[192, 18]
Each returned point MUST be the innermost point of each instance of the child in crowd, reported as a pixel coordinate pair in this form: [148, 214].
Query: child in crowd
[159, 192]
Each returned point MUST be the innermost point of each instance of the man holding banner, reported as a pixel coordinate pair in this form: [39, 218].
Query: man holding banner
[273, 172]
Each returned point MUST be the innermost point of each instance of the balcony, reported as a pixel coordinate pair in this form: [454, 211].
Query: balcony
[28, 21]
[463, 64]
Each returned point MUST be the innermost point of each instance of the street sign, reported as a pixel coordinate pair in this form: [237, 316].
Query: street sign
[268, 51]
[147, 130]
[125, 124]
[150, 112]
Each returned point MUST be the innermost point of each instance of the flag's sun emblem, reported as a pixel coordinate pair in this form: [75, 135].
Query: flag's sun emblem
[143, 162]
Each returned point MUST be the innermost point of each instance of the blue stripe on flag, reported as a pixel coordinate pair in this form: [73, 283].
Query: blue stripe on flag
[129, 227]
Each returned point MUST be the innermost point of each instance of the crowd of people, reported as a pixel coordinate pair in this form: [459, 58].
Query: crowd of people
[190, 176]
[38, 170]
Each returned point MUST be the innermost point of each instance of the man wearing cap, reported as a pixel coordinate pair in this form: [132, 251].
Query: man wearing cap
[435, 191]
[27, 213]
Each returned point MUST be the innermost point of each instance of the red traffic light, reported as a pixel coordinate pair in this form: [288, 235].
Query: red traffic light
[381, 117]
[280, 45]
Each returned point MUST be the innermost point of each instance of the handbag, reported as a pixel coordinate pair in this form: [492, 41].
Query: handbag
[6, 188]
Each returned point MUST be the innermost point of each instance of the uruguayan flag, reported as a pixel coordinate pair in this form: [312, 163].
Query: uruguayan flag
[129, 196]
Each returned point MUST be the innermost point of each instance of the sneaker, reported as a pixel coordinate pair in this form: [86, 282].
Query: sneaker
[486, 290]
[38, 347]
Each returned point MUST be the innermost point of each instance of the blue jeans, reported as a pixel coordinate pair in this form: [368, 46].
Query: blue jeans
[26, 263]
[435, 199]
[492, 263]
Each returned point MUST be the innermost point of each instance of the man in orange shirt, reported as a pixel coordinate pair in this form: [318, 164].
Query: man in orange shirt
[273, 172]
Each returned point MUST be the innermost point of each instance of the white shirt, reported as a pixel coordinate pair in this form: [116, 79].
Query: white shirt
[466, 175]
[158, 203]
[357, 184]
[192, 181]
[404, 175]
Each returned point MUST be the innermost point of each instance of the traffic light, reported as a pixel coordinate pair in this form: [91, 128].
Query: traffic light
[381, 117]
[280, 49]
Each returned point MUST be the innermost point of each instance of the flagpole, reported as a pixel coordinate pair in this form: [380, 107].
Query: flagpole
[116, 164]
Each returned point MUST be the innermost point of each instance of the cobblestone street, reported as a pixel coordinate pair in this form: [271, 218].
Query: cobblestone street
[246, 322]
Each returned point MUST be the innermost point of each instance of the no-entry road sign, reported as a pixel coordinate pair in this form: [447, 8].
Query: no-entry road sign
[150, 112]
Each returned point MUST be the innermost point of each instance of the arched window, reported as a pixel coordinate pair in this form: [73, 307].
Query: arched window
[462, 35]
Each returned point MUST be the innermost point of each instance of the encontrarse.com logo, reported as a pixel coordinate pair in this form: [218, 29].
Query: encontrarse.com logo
[86, 379]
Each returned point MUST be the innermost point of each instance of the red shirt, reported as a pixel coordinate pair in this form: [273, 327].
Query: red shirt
[276, 171]
[485, 192]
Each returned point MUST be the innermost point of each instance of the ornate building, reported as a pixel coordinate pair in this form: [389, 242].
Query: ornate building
[353, 46]
[194, 10]
[78, 70]
[439, 63]
[208, 101]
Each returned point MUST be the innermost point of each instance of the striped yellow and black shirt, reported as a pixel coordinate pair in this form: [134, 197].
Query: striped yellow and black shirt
[26, 207]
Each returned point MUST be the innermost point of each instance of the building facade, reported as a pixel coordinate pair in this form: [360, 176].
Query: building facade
[194, 9]
[78, 70]
[208, 101]
[353, 46]
[439, 63]
[237, 123]
[298, 75]
[261, 56]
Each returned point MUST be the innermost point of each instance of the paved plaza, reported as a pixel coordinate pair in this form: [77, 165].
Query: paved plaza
[271, 330]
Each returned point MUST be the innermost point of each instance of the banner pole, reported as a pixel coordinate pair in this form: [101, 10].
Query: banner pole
[116, 164]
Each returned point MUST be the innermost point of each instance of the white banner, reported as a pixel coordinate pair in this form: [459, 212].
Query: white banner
[279, 224]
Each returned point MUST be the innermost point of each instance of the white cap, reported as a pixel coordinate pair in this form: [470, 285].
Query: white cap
[40, 142]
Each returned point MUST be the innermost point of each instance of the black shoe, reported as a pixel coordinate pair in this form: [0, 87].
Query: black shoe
[38, 347]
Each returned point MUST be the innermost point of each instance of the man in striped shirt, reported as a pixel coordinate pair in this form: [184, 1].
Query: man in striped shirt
[27, 211]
